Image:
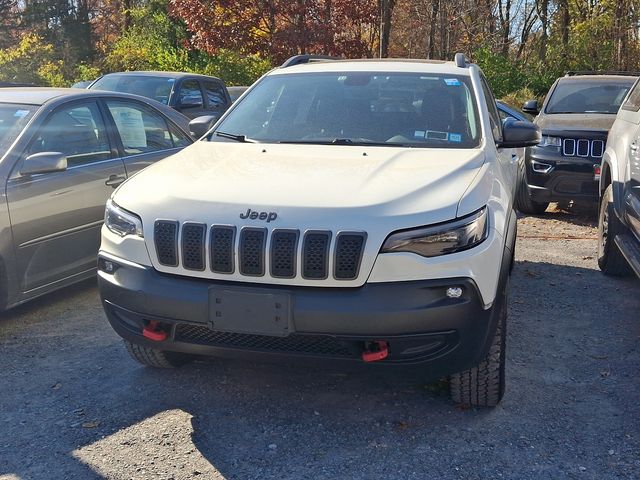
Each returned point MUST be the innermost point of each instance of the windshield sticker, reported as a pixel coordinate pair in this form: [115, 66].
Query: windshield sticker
[455, 137]
[419, 134]
[435, 135]
[21, 113]
[452, 82]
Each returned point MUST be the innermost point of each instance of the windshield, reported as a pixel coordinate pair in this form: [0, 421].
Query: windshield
[588, 97]
[13, 118]
[156, 88]
[391, 109]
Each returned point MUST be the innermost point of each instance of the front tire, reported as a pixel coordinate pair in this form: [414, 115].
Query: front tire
[524, 202]
[484, 384]
[153, 357]
[610, 259]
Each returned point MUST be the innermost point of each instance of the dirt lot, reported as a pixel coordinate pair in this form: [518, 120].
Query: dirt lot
[74, 406]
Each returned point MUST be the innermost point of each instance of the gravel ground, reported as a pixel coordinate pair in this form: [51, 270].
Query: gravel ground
[74, 406]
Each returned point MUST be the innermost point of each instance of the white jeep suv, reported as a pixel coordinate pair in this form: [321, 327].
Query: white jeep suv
[351, 210]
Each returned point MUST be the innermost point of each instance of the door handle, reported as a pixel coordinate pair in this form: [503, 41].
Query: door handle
[114, 181]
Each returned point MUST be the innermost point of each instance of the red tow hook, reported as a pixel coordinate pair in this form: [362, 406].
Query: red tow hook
[153, 332]
[377, 350]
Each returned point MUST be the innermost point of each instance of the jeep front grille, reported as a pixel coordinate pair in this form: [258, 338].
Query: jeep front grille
[217, 250]
[582, 147]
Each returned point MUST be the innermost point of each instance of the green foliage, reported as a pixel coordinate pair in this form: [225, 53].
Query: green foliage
[31, 61]
[156, 42]
[507, 76]
[85, 72]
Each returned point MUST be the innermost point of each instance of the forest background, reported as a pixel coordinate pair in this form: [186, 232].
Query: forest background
[522, 45]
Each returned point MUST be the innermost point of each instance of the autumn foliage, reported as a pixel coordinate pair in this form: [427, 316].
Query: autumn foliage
[280, 28]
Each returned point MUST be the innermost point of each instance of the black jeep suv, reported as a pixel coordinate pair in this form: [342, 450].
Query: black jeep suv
[575, 119]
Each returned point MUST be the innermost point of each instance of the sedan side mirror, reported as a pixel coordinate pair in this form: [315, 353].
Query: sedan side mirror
[519, 134]
[44, 162]
[531, 107]
[201, 125]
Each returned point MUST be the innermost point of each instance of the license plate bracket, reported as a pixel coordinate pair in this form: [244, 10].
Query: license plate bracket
[250, 311]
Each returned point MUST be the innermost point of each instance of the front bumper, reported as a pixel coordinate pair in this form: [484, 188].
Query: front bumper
[570, 178]
[420, 323]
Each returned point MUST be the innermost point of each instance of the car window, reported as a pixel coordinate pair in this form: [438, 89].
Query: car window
[421, 110]
[190, 94]
[13, 119]
[504, 115]
[180, 139]
[141, 129]
[215, 95]
[157, 88]
[494, 116]
[78, 131]
[633, 100]
[588, 97]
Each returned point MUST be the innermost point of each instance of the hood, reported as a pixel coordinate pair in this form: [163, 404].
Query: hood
[308, 186]
[575, 121]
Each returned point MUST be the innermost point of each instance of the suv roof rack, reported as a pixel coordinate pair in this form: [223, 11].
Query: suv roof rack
[461, 60]
[575, 73]
[306, 58]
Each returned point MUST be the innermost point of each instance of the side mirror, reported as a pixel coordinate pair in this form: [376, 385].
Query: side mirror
[201, 125]
[518, 134]
[531, 107]
[44, 162]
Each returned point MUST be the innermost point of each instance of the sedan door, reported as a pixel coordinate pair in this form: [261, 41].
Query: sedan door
[56, 216]
[144, 135]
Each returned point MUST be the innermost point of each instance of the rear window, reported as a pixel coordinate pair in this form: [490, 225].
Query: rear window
[588, 97]
[157, 88]
[394, 109]
[13, 118]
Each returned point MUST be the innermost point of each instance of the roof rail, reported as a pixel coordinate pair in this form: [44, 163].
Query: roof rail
[575, 73]
[461, 60]
[306, 58]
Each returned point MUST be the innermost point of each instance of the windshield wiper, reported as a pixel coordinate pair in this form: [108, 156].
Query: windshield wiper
[233, 136]
[346, 141]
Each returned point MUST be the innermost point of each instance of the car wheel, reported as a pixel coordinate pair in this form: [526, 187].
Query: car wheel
[484, 384]
[153, 357]
[524, 202]
[610, 259]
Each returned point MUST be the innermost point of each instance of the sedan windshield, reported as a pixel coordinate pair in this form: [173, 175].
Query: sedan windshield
[157, 88]
[588, 97]
[357, 108]
[13, 118]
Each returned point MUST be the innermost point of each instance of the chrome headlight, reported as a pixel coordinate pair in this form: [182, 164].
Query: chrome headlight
[443, 238]
[548, 141]
[121, 222]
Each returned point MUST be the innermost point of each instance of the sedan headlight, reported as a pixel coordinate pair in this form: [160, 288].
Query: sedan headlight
[548, 141]
[443, 238]
[121, 222]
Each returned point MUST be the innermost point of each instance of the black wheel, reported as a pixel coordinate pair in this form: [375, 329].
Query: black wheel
[524, 202]
[152, 357]
[610, 260]
[484, 384]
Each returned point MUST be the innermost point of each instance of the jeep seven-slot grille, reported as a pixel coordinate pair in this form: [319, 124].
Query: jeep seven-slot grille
[250, 250]
[193, 246]
[165, 234]
[348, 255]
[221, 245]
[284, 244]
[252, 241]
[315, 255]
